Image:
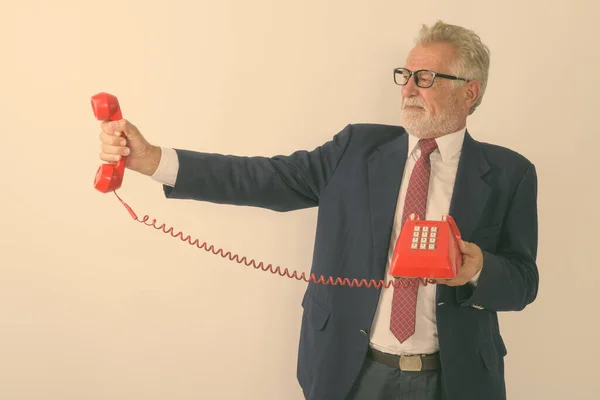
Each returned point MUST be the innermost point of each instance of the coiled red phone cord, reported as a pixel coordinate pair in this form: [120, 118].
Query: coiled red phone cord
[277, 270]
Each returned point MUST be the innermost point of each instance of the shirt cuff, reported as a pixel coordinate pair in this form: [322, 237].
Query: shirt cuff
[475, 278]
[168, 167]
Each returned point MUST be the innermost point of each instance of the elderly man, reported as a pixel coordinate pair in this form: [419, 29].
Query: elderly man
[435, 341]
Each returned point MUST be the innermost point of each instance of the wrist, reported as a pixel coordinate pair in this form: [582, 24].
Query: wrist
[152, 161]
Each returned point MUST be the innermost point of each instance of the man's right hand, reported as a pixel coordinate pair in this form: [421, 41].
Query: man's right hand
[142, 157]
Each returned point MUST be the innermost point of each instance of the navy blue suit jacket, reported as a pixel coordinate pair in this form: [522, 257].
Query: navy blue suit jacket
[354, 180]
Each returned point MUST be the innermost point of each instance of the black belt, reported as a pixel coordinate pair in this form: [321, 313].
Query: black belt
[418, 362]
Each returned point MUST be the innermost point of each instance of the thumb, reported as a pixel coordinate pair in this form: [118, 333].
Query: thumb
[463, 246]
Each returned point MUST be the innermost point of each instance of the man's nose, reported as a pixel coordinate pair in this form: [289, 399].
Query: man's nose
[411, 88]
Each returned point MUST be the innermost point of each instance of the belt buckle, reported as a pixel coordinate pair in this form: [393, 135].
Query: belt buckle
[411, 363]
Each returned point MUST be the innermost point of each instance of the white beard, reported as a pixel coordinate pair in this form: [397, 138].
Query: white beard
[421, 124]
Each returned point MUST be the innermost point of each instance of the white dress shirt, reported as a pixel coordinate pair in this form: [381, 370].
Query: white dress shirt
[444, 164]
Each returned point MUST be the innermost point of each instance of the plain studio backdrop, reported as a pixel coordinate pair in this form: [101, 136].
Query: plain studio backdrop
[96, 306]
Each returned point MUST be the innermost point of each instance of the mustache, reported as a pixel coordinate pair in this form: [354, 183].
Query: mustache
[413, 101]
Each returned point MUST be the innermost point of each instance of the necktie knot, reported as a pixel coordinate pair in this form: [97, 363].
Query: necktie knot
[427, 146]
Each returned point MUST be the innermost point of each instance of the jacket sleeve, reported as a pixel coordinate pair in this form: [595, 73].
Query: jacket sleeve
[280, 183]
[509, 278]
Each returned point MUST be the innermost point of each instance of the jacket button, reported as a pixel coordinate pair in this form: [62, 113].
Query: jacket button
[363, 332]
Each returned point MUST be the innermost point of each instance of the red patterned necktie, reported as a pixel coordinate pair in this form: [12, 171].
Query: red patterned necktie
[404, 300]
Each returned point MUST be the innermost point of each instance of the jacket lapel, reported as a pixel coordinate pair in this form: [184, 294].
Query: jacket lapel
[386, 168]
[469, 197]
[471, 191]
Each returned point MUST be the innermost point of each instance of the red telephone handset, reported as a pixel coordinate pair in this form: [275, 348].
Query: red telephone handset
[109, 177]
[427, 249]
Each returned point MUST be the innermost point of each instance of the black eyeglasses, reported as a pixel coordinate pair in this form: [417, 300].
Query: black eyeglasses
[424, 78]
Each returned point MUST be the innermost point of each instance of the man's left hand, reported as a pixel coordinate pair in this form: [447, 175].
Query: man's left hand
[472, 264]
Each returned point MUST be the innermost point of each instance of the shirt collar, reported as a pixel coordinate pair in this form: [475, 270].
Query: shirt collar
[449, 145]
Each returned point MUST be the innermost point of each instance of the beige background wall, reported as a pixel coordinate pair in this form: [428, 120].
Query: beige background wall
[95, 306]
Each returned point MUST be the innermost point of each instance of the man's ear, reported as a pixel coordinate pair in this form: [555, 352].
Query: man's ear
[472, 90]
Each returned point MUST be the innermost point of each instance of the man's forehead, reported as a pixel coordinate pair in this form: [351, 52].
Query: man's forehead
[434, 56]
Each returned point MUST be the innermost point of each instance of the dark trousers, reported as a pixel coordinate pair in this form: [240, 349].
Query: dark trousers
[381, 382]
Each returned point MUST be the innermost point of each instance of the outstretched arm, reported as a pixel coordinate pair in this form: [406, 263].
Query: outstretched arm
[280, 183]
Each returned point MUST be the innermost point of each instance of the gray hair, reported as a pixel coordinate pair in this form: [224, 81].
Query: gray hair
[473, 60]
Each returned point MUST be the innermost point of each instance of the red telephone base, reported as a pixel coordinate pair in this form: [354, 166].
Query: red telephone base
[427, 249]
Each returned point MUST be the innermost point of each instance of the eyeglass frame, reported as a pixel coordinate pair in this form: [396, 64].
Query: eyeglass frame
[435, 75]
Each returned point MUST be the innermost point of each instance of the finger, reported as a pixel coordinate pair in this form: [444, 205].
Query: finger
[118, 127]
[110, 158]
[112, 139]
[108, 127]
[458, 280]
[119, 150]
[112, 127]
[467, 248]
